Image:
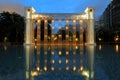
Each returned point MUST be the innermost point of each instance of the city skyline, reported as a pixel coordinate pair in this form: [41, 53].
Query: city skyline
[48, 6]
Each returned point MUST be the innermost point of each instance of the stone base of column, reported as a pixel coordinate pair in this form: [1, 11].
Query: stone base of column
[25, 44]
[94, 44]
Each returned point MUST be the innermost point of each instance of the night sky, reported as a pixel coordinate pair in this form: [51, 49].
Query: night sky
[54, 6]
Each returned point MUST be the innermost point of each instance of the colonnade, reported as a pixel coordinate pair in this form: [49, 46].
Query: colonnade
[87, 17]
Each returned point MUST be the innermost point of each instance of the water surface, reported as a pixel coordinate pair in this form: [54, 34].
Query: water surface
[101, 62]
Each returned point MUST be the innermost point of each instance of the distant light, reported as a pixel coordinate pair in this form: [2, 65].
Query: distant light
[116, 48]
[52, 68]
[45, 68]
[38, 68]
[67, 68]
[74, 68]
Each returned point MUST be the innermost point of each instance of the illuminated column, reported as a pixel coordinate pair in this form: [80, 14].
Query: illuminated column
[60, 32]
[28, 30]
[67, 31]
[33, 39]
[74, 31]
[52, 32]
[45, 31]
[90, 31]
[81, 31]
[38, 31]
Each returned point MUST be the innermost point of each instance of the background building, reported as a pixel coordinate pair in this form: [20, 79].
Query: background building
[110, 18]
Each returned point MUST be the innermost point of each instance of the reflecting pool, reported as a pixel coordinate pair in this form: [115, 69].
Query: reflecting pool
[60, 62]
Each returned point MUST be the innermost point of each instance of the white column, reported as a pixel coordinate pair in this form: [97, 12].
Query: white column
[45, 31]
[52, 32]
[28, 30]
[90, 31]
[33, 39]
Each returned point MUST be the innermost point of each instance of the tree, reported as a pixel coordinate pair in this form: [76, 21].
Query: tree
[12, 27]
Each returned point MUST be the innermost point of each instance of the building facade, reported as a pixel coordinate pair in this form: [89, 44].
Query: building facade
[110, 18]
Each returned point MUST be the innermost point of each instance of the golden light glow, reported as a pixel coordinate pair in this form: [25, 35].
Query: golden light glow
[67, 52]
[76, 47]
[52, 52]
[81, 68]
[74, 68]
[67, 35]
[74, 21]
[81, 21]
[85, 73]
[100, 39]
[55, 38]
[117, 48]
[100, 47]
[46, 36]
[45, 68]
[67, 61]
[35, 47]
[38, 68]
[38, 21]
[52, 68]
[45, 21]
[60, 35]
[67, 27]
[76, 39]
[52, 21]
[60, 61]
[67, 68]
[35, 73]
[53, 61]
[60, 53]
[52, 35]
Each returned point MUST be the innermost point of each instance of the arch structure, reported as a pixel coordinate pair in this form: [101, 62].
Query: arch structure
[87, 17]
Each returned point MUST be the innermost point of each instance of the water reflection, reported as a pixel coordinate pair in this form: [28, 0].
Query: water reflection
[116, 48]
[44, 60]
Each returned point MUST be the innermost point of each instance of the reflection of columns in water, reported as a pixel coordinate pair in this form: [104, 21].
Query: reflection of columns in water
[74, 58]
[81, 31]
[52, 32]
[45, 31]
[90, 52]
[38, 58]
[60, 32]
[45, 58]
[38, 31]
[74, 30]
[67, 30]
[29, 57]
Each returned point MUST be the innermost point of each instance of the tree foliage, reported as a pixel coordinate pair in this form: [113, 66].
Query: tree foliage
[12, 27]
